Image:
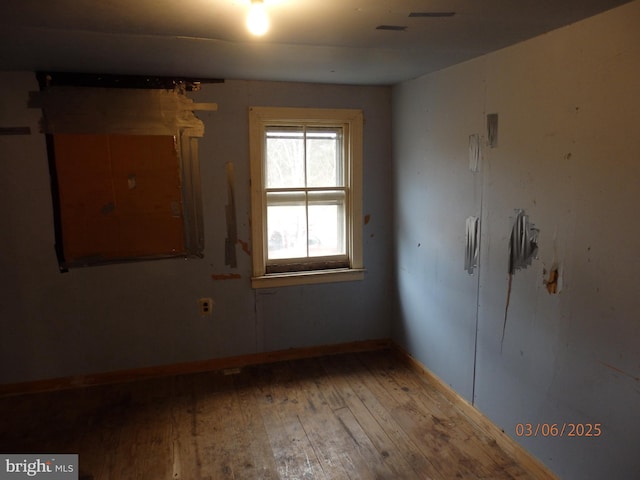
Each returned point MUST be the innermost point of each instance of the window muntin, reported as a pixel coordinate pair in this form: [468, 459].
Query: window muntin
[306, 178]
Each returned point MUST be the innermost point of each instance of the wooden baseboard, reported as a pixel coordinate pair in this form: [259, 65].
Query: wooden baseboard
[508, 444]
[211, 365]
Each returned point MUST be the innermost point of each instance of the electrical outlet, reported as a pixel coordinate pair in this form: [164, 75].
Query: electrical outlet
[206, 306]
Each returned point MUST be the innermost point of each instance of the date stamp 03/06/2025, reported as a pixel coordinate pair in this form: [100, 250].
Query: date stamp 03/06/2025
[565, 429]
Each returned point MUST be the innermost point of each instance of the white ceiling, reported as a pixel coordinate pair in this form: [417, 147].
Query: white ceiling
[328, 41]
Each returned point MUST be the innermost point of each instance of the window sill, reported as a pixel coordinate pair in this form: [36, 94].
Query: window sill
[308, 278]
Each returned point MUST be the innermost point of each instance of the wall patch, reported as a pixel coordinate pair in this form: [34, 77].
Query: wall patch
[474, 152]
[472, 244]
[523, 245]
[523, 248]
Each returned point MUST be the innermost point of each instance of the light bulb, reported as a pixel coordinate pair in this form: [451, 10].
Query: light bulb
[257, 20]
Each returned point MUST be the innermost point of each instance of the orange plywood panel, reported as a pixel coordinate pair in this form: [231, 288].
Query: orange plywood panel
[142, 235]
[91, 239]
[120, 196]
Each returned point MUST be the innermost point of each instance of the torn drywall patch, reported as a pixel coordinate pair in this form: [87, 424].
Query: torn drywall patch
[472, 244]
[523, 245]
[523, 248]
[474, 152]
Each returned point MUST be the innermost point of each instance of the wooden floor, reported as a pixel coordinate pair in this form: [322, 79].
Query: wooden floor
[353, 416]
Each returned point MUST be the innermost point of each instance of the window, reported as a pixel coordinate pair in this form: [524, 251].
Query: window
[306, 177]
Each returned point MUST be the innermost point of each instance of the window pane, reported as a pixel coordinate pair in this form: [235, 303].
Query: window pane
[284, 162]
[286, 230]
[327, 224]
[324, 157]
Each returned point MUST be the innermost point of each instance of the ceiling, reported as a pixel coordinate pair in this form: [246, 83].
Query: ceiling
[327, 41]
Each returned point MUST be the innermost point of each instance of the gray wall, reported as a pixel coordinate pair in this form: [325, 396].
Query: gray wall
[145, 314]
[567, 153]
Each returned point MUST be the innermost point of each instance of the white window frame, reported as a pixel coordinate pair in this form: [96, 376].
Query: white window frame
[352, 121]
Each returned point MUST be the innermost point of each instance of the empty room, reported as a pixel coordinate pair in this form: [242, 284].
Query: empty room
[320, 239]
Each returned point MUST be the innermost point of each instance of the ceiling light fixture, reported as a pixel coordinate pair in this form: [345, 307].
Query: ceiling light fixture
[257, 19]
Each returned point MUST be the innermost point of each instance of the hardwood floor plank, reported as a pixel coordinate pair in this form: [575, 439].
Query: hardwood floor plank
[185, 454]
[472, 440]
[214, 428]
[327, 437]
[263, 465]
[338, 427]
[445, 456]
[293, 453]
[406, 460]
[480, 454]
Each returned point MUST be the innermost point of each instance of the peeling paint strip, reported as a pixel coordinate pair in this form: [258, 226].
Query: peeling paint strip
[230, 257]
[245, 247]
[474, 152]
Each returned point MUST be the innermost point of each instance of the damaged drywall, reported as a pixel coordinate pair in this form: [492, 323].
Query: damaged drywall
[475, 152]
[523, 247]
[582, 171]
[472, 247]
[552, 279]
[117, 111]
